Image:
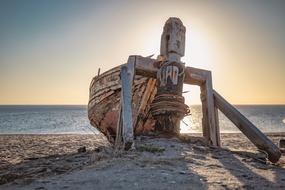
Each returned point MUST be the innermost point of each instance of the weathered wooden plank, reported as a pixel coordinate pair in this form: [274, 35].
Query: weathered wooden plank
[114, 71]
[127, 76]
[140, 81]
[217, 125]
[203, 78]
[145, 66]
[97, 90]
[205, 118]
[119, 132]
[214, 135]
[209, 123]
[247, 128]
[148, 67]
[150, 87]
[195, 76]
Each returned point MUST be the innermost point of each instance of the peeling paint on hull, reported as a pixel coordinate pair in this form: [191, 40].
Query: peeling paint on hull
[104, 102]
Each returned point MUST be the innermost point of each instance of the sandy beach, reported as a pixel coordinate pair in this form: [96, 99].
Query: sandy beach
[61, 162]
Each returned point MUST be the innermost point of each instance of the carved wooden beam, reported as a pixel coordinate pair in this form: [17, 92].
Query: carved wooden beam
[172, 44]
[148, 67]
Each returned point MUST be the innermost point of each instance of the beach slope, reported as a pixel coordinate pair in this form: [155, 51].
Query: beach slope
[61, 162]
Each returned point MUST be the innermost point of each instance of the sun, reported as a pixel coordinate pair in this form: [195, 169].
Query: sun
[197, 49]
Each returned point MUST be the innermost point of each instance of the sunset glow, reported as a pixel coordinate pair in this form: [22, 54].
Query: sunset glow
[49, 53]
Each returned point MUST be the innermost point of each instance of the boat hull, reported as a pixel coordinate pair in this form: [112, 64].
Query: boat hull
[104, 103]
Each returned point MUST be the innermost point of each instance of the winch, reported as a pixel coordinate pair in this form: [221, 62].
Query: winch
[168, 106]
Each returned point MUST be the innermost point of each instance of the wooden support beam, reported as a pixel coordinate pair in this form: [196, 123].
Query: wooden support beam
[148, 67]
[195, 76]
[210, 123]
[145, 66]
[216, 114]
[203, 78]
[214, 128]
[247, 128]
[205, 118]
[211, 129]
[125, 124]
[127, 112]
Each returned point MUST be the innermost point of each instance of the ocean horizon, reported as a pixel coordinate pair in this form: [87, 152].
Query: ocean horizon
[73, 119]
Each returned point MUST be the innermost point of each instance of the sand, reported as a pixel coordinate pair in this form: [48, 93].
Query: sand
[53, 162]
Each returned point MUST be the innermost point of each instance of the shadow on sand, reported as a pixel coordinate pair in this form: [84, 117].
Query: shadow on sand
[157, 163]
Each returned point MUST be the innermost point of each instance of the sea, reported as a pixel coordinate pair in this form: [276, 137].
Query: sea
[72, 119]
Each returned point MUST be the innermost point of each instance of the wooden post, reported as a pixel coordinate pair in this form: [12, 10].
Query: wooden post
[216, 114]
[125, 124]
[205, 118]
[247, 128]
[168, 106]
[98, 72]
[212, 123]
[128, 132]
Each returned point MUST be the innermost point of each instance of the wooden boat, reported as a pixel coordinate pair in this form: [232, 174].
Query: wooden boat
[104, 103]
[163, 101]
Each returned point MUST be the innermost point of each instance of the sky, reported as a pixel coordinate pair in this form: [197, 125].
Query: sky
[51, 49]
